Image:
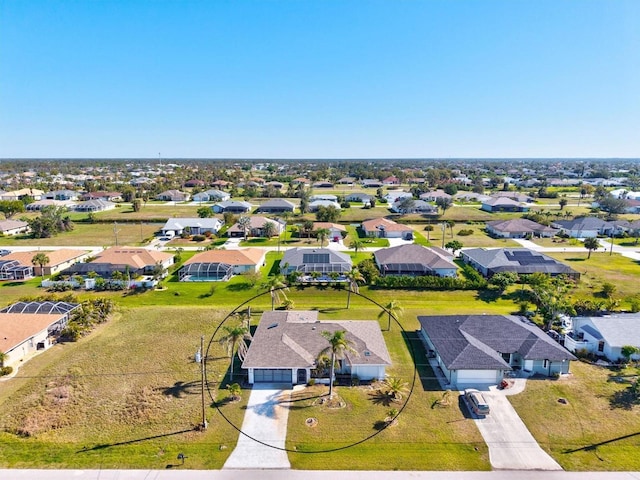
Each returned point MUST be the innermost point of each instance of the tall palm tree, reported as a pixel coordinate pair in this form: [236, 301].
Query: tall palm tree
[339, 346]
[3, 358]
[277, 287]
[591, 243]
[356, 245]
[245, 225]
[393, 309]
[236, 336]
[353, 277]
[322, 234]
[41, 260]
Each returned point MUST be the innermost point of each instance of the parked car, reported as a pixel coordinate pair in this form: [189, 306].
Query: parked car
[4, 251]
[476, 401]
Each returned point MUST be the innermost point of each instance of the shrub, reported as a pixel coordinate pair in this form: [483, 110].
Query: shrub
[430, 282]
[311, 382]
[465, 232]
[198, 238]
[6, 371]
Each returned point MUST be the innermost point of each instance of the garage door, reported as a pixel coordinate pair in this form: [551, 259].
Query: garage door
[477, 376]
[272, 375]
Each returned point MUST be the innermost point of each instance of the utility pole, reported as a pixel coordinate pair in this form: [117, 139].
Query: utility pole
[115, 232]
[202, 355]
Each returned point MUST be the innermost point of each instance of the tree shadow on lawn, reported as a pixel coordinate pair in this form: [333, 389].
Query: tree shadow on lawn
[419, 357]
[239, 287]
[594, 446]
[103, 446]
[180, 389]
[488, 296]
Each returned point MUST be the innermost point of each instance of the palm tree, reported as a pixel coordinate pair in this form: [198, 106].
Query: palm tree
[277, 286]
[237, 335]
[235, 391]
[393, 309]
[41, 260]
[3, 358]
[245, 225]
[268, 229]
[395, 387]
[322, 234]
[590, 244]
[353, 277]
[307, 227]
[356, 245]
[339, 346]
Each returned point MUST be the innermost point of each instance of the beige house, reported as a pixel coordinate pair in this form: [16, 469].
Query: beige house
[13, 227]
[217, 265]
[59, 260]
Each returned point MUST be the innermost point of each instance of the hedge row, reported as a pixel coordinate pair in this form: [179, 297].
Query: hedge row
[430, 282]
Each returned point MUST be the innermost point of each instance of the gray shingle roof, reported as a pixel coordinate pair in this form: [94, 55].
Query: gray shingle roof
[412, 253]
[583, 223]
[519, 225]
[475, 342]
[293, 339]
[519, 260]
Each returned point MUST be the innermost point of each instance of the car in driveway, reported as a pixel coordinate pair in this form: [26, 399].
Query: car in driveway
[476, 401]
[4, 251]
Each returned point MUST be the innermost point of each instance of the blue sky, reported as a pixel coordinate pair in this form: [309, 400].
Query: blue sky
[320, 79]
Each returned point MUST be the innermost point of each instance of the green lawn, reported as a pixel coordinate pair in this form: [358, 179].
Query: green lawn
[596, 430]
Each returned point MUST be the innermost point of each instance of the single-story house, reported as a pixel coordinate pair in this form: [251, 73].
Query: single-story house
[415, 260]
[220, 265]
[359, 197]
[322, 184]
[305, 182]
[220, 184]
[173, 196]
[391, 181]
[212, 195]
[584, 227]
[348, 181]
[59, 260]
[96, 205]
[383, 228]
[519, 228]
[233, 206]
[13, 227]
[310, 260]
[276, 205]
[256, 226]
[489, 261]
[417, 206]
[328, 197]
[516, 196]
[471, 197]
[196, 225]
[503, 204]
[336, 231]
[62, 195]
[26, 327]
[435, 195]
[194, 182]
[40, 204]
[13, 270]
[316, 204]
[22, 193]
[102, 195]
[480, 349]
[371, 183]
[286, 346]
[606, 335]
[397, 195]
[132, 260]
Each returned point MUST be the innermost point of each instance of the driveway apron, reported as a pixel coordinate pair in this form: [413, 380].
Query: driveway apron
[511, 445]
[265, 420]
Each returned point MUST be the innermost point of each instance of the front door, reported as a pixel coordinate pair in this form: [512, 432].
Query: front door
[302, 375]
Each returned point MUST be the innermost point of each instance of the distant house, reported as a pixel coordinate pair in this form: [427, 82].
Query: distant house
[322, 184]
[13, 227]
[435, 195]
[323, 261]
[336, 231]
[212, 195]
[383, 228]
[101, 195]
[348, 181]
[323, 196]
[62, 195]
[40, 204]
[173, 196]
[477, 349]
[517, 260]
[256, 228]
[391, 181]
[233, 206]
[22, 193]
[287, 344]
[59, 259]
[131, 260]
[502, 204]
[220, 184]
[519, 228]
[220, 265]
[371, 183]
[360, 197]
[96, 205]
[316, 204]
[471, 197]
[397, 195]
[515, 196]
[605, 336]
[276, 205]
[415, 260]
[300, 181]
[26, 327]
[584, 227]
[417, 206]
[194, 182]
[196, 225]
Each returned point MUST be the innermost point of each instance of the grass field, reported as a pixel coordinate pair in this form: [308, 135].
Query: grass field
[596, 430]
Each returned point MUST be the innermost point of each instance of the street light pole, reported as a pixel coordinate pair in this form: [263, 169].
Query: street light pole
[202, 356]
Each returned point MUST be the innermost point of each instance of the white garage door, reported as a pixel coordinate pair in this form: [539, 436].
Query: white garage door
[477, 376]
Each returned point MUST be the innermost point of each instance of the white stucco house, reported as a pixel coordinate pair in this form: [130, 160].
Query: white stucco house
[605, 336]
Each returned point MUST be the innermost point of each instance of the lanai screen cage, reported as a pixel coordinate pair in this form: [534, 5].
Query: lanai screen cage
[205, 272]
[12, 270]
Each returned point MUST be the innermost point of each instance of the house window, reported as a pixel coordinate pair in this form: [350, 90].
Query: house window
[601, 346]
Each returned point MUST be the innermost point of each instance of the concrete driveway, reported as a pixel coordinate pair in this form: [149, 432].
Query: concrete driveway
[265, 420]
[511, 445]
